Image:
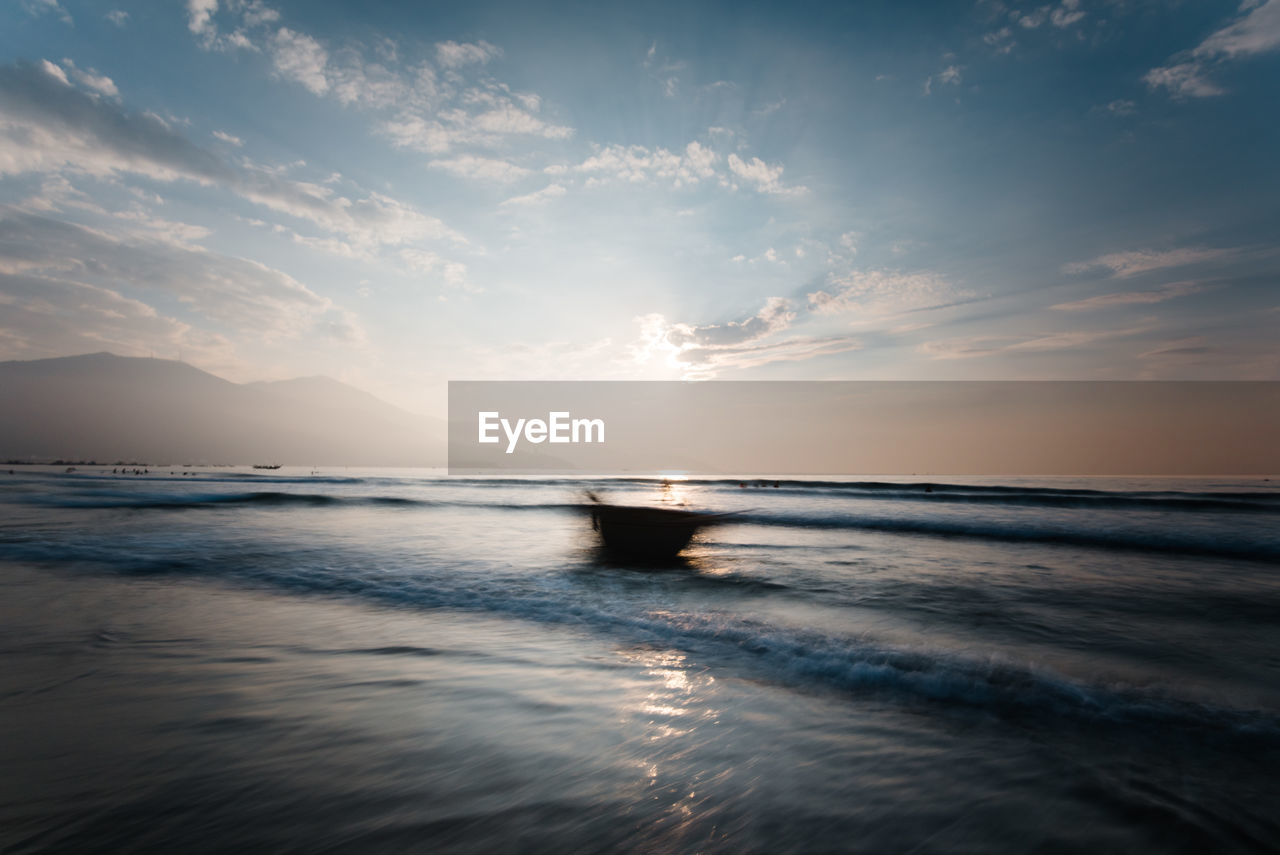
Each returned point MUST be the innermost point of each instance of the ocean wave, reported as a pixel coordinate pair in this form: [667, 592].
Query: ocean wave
[1257, 501]
[194, 501]
[1163, 539]
[751, 646]
[1167, 536]
[1265, 501]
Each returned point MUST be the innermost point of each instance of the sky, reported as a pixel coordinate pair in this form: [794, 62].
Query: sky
[401, 194]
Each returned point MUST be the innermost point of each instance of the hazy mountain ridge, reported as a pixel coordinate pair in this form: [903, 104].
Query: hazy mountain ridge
[105, 407]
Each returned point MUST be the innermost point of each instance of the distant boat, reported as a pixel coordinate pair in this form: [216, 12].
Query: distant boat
[648, 532]
[266, 466]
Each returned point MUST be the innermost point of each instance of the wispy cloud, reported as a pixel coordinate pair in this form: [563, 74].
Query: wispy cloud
[200, 17]
[951, 76]
[764, 177]
[538, 197]
[705, 363]
[1183, 347]
[703, 350]
[453, 274]
[980, 346]
[47, 126]
[863, 294]
[1131, 298]
[242, 293]
[1183, 80]
[456, 55]
[48, 7]
[441, 131]
[1133, 262]
[665, 71]
[1067, 13]
[637, 164]
[1001, 40]
[301, 58]
[426, 107]
[484, 168]
[91, 79]
[1254, 32]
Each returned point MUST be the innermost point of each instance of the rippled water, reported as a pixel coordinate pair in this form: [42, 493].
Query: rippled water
[218, 659]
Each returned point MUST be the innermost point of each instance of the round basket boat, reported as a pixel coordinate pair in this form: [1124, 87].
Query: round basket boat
[648, 531]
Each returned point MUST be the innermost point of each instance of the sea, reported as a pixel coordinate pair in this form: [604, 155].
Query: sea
[201, 659]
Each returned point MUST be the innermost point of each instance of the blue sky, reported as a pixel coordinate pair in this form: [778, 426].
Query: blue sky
[397, 194]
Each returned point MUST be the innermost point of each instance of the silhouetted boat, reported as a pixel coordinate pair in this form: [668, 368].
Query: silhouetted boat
[266, 466]
[650, 532]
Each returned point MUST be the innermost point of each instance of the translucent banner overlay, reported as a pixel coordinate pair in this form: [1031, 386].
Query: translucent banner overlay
[854, 427]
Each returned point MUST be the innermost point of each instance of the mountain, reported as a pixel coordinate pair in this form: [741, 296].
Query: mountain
[108, 408]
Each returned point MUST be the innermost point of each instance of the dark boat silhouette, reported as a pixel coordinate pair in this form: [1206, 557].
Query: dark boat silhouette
[266, 466]
[645, 531]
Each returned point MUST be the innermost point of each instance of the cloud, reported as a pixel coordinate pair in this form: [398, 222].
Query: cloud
[238, 292]
[1125, 264]
[765, 178]
[429, 109]
[355, 82]
[1183, 347]
[1066, 14]
[49, 127]
[453, 273]
[637, 164]
[455, 127]
[663, 70]
[1255, 32]
[877, 293]
[1183, 80]
[980, 346]
[455, 55]
[776, 315]
[702, 350]
[50, 316]
[91, 79]
[52, 7]
[950, 75]
[1001, 40]
[1120, 107]
[539, 197]
[1033, 19]
[200, 17]
[300, 58]
[228, 138]
[119, 17]
[484, 168]
[1128, 298]
[54, 71]
[254, 13]
[704, 363]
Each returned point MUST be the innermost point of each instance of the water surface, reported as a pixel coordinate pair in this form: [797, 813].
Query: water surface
[220, 659]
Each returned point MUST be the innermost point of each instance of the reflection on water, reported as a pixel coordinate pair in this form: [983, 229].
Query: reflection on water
[674, 697]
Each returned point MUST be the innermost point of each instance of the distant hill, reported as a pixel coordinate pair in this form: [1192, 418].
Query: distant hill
[108, 408]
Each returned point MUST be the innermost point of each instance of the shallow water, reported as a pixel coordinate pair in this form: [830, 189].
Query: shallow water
[400, 661]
